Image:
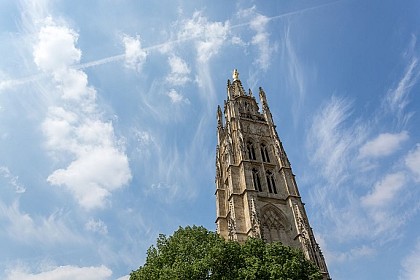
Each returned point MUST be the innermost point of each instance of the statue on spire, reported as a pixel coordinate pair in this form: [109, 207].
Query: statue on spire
[235, 75]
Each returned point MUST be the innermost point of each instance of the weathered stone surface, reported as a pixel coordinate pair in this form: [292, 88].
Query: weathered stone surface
[256, 192]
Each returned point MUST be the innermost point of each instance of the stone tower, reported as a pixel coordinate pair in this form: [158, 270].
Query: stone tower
[256, 192]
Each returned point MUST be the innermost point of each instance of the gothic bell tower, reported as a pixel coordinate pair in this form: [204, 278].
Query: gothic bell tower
[256, 192]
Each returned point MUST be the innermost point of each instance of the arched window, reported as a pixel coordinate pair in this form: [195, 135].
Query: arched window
[251, 151]
[256, 180]
[271, 183]
[274, 226]
[264, 153]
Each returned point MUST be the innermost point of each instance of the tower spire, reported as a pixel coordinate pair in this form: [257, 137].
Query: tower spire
[256, 191]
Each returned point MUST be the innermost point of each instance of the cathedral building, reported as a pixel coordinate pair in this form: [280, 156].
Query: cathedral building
[256, 191]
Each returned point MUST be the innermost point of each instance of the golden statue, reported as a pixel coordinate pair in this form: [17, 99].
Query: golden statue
[235, 75]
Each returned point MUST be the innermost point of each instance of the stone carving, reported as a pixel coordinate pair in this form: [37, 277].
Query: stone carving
[243, 209]
[255, 221]
[231, 222]
[235, 75]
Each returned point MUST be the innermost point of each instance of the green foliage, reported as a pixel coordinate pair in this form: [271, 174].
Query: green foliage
[196, 253]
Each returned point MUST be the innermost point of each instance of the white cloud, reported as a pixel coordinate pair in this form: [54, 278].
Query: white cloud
[209, 36]
[384, 191]
[94, 175]
[177, 97]
[411, 264]
[383, 145]
[74, 130]
[135, 56]
[12, 180]
[412, 161]
[179, 71]
[67, 272]
[55, 48]
[96, 226]
[74, 86]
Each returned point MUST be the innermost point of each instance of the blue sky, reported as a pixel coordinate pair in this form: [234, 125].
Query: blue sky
[108, 126]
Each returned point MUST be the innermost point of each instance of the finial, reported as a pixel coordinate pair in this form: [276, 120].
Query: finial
[235, 75]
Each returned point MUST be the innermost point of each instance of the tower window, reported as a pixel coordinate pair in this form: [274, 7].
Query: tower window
[256, 180]
[264, 153]
[271, 182]
[251, 150]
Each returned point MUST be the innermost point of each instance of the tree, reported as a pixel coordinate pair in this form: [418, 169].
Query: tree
[196, 253]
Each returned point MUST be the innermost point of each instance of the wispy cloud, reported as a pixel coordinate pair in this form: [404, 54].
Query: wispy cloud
[11, 83]
[162, 180]
[209, 36]
[261, 39]
[295, 73]
[331, 142]
[180, 71]
[12, 180]
[357, 203]
[397, 98]
[411, 264]
[97, 226]
[28, 229]
[177, 98]
[352, 254]
[334, 140]
[412, 161]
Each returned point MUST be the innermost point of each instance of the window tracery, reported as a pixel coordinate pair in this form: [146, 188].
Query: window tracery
[273, 226]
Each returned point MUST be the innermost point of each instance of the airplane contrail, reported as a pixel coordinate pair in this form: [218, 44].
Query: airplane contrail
[9, 83]
[100, 61]
[290, 13]
[16, 82]
[180, 40]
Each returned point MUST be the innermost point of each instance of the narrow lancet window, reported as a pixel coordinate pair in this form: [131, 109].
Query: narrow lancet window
[256, 180]
[251, 151]
[271, 183]
[264, 153]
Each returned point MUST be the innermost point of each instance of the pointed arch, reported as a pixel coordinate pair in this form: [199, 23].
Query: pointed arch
[250, 149]
[264, 152]
[271, 183]
[274, 225]
[256, 179]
